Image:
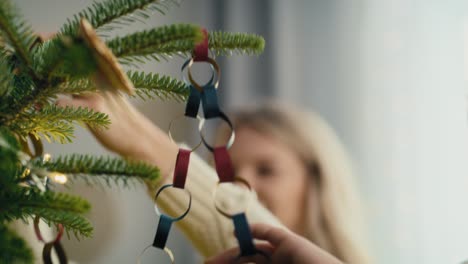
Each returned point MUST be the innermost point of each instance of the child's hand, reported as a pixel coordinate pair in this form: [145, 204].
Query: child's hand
[130, 133]
[282, 246]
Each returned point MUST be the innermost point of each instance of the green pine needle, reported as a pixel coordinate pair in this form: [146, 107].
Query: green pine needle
[63, 56]
[117, 11]
[221, 43]
[13, 248]
[52, 207]
[116, 170]
[148, 42]
[147, 86]
[225, 43]
[151, 85]
[54, 122]
[78, 86]
[6, 78]
[16, 32]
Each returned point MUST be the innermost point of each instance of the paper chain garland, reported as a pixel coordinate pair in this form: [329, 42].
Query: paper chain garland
[40, 180]
[206, 95]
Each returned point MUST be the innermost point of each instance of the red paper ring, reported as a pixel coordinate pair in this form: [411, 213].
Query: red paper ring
[231, 138]
[223, 211]
[197, 85]
[39, 235]
[170, 128]
[166, 249]
[200, 51]
[174, 219]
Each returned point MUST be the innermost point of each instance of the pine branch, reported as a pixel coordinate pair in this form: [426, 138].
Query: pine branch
[111, 169]
[52, 207]
[221, 43]
[63, 56]
[149, 42]
[77, 86]
[224, 43]
[19, 98]
[6, 78]
[151, 85]
[120, 12]
[17, 34]
[165, 51]
[13, 248]
[57, 122]
[10, 164]
[147, 86]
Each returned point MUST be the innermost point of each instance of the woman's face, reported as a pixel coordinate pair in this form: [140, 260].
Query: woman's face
[275, 172]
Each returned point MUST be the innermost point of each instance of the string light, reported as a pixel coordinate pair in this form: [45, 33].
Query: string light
[58, 177]
[46, 158]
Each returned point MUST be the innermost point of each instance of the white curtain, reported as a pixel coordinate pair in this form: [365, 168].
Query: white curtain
[390, 77]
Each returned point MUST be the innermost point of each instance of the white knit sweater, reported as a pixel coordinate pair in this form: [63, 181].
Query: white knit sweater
[208, 230]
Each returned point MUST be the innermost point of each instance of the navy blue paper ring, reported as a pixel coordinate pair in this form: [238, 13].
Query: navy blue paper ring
[162, 233]
[173, 219]
[193, 102]
[243, 235]
[47, 252]
[231, 138]
[245, 239]
[209, 98]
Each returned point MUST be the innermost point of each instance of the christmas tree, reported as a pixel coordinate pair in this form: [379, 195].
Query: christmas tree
[79, 59]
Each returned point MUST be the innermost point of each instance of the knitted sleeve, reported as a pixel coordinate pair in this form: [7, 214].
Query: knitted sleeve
[209, 231]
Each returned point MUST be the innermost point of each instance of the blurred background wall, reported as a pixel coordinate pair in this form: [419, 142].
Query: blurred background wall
[389, 76]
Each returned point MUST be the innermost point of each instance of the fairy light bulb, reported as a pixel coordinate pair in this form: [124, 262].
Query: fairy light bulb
[46, 158]
[58, 177]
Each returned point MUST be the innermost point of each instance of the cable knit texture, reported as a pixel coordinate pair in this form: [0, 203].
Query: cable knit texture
[209, 231]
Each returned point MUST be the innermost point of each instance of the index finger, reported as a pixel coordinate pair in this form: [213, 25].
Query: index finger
[274, 235]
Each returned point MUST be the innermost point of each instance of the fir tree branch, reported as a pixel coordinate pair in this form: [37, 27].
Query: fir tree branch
[10, 164]
[181, 48]
[151, 41]
[52, 207]
[17, 33]
[13, 249]
[77, 86]
[151, 85]
[116, 11]
[147, 86]
[63, 56]
[6, 78]
[111, 169]
[224, 43]
[221, 43]
[56, 122]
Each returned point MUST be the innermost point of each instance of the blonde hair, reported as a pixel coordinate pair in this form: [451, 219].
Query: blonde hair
[333, 218]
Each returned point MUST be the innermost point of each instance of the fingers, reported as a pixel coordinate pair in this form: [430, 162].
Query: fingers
[232, 255]
[274, 235]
